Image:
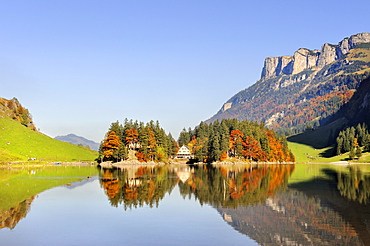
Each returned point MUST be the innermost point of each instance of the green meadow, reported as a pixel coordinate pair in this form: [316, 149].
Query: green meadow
[18, 143]
[312, 146]
[306, 153]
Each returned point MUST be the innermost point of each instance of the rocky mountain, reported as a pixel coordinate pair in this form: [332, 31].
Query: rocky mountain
[305, 89]
[77, 140]
[12, 108]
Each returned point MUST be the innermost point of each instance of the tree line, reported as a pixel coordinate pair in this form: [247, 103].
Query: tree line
[353, 140]
[233, 139]
[134, 140]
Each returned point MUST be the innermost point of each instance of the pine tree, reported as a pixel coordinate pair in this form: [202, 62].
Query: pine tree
[358, 152]
[339, 143]
[214, 147]
[352, 154]
[184, 137]
[224, 138]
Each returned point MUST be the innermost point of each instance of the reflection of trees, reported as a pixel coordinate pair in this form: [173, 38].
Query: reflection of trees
[10, 218]
[231, 186]
[339, 190]
[227, 186]
[136, 186]
[354, 185]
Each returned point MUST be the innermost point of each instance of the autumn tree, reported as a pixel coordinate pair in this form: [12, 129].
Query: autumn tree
[241, 140]
[252, 150]
[236, 143]
[147, 141]
[132, 138]
[111, 146]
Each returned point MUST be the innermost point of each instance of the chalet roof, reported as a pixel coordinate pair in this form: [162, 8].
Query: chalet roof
[183, 151]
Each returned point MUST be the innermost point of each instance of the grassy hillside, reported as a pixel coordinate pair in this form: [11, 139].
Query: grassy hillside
[307, 153]
[13, 109]
[18, 143]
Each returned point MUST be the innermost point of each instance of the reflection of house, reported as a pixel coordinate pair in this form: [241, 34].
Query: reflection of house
[227, 217]
[184, 153]
[133, 182]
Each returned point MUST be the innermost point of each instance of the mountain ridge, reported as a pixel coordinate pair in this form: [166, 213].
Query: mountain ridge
[78, 140]
[292, 96]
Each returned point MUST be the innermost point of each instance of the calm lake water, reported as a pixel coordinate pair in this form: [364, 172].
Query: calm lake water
[301, 204]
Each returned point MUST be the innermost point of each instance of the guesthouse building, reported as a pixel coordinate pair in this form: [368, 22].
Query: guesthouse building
[184, 153]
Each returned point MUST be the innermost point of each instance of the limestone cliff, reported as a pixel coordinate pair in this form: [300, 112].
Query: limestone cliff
[303, 89]
[304, 59]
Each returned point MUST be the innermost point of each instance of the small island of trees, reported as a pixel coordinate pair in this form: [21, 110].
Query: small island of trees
[228, 140]
[137, 141]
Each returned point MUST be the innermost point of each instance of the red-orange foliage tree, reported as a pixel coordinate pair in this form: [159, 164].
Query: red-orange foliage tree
[277, 153]
[252, 150]
[132, 138]
[110, 145]
[235, 143]
[152, 144]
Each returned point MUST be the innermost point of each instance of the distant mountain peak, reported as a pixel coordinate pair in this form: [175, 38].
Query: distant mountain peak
[305, 88]
[304, 59]
[76, 140]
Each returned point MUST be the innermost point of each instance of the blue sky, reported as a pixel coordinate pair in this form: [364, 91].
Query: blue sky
[78, 66]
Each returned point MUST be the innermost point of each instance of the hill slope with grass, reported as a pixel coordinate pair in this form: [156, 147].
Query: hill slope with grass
[13, 109]
[19, 143]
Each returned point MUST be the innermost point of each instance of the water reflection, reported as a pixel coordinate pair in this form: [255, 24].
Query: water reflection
[344, 194]
[19, 187]
[135, 186]
[354, 185]
[10, 218]
[272, 204]
[227, 186]
[292, 218]
[233, 186]
[257, 201]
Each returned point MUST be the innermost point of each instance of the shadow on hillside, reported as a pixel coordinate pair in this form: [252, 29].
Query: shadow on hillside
[328, 152]
[309, 138]
[321, 137]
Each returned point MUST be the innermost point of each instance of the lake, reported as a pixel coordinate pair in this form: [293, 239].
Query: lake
[301, 204]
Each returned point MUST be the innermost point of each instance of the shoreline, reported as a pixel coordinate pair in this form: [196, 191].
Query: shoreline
[137, 163]
[47, 164]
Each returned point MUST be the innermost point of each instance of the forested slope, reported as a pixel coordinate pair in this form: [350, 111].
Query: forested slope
[303, 97]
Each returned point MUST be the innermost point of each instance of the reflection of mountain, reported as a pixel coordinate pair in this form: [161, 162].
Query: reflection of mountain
[292, 218]
[347, 194]
[322, 211]
[257, 201]
[10, 218]
[19, 187]
[80, 182]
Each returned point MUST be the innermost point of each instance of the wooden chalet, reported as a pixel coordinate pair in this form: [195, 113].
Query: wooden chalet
[184, 153]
